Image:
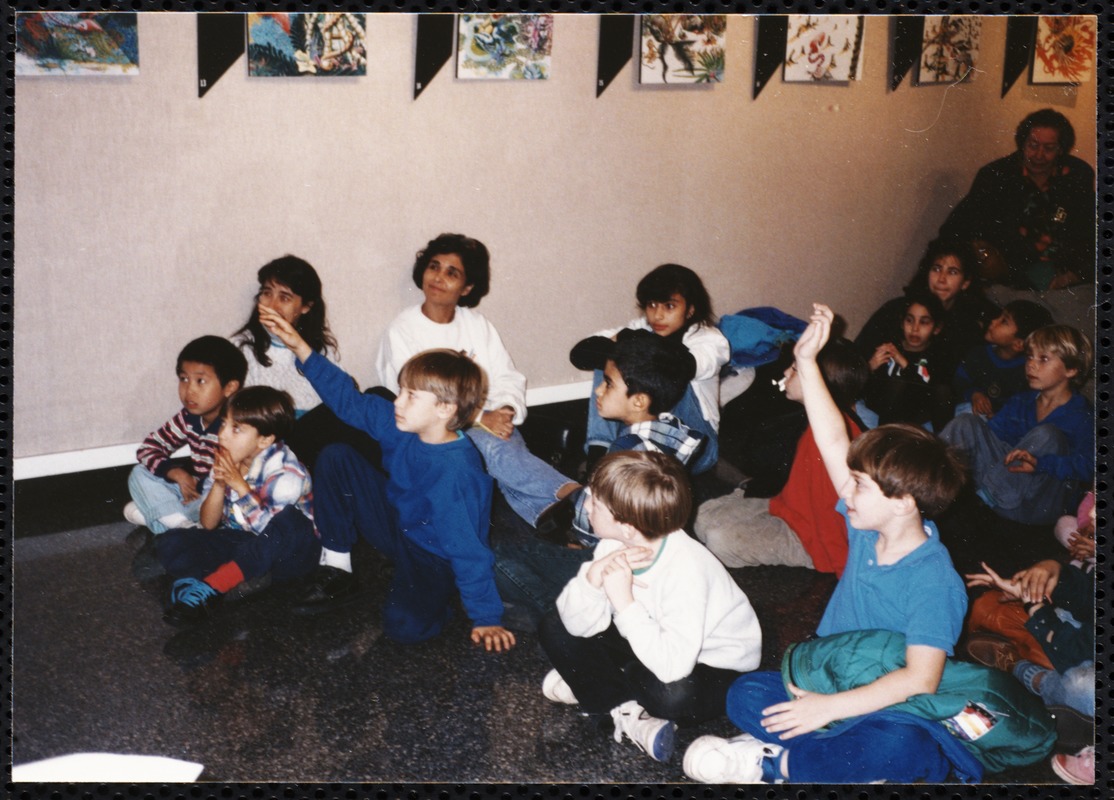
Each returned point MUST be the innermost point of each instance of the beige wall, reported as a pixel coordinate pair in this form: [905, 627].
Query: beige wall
[142, 211]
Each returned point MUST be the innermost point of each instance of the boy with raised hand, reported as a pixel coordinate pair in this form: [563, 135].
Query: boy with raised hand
[899, 578]
[430, 518]
[654, 629]
[166, 491]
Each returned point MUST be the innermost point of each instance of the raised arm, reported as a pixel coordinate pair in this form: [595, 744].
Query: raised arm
[824, 416]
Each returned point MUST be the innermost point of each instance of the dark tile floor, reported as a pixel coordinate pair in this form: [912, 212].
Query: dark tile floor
[260, 695]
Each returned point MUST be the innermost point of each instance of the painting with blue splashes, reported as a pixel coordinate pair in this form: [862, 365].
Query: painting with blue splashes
[504, 46]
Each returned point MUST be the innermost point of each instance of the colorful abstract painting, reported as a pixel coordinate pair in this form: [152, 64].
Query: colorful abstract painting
[823, 48]
[306, 44]
[1065, 49]
[76, 43]
[504, 46]
[682, 48]
[949, 49]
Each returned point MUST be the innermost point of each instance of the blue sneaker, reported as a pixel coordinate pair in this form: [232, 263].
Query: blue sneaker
[191, 601]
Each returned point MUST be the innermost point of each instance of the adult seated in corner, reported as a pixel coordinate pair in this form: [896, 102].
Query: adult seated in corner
[1031, 215]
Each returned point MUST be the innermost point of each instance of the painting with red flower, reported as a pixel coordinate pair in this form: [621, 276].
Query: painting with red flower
[826, 47]
[1065, 49]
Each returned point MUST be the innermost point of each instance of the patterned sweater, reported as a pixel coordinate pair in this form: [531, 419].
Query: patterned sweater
[183, 429]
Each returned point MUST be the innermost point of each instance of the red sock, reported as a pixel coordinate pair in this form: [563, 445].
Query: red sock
[225, 577]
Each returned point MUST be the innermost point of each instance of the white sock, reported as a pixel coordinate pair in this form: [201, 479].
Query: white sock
[331, 558]
[177, 520]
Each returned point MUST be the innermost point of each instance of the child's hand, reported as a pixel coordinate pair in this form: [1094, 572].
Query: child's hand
[187, 484]
[992, 578]
[980, 404]
[1020, 461]
[1037, 583]
[493, 637]
[1081, 544]
[274, 322]
[637, 557]
[499, 421]
[805, 713]
[227, 472]
[618, 581]
[816, 334]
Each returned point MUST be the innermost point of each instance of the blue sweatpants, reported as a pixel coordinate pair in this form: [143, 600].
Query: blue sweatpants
[887, 746]
[350, 499]
[287, 548]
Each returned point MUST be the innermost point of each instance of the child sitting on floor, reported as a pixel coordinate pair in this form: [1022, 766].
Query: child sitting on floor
[800, 526]
[910, 376]
[257, 514]
[644, 374]
[654, 629]
[898, 578]
[1031, 461]
[166, 491]
[430, 517]
[994, 371]
[674, 304]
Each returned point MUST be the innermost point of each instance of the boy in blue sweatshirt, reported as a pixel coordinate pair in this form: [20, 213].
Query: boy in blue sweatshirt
[430, 517]
[1036, 456]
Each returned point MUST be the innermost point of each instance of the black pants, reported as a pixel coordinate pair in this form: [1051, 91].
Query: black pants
[603, 672]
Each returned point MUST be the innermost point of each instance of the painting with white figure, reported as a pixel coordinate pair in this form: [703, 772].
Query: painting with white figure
[823, 48]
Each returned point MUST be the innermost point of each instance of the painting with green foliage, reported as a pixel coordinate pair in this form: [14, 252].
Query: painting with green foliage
[682, 48]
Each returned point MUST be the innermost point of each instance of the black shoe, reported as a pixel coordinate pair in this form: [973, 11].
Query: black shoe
[555, 523]
[247, 588]
[329, 589]
[1074, 731]
[138, 539]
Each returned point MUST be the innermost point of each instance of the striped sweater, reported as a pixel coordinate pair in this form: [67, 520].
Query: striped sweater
[182, 429]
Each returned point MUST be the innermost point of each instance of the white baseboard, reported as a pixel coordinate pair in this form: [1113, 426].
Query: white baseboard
[122, 454]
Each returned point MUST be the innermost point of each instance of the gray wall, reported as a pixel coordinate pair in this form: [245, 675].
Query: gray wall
[142, 212]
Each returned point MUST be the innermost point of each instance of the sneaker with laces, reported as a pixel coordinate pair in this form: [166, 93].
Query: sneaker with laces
[133, 515]
[711, 759]
[1078, 770]
[556, 690]
[191, 601]
[653, 736]
[993, 651]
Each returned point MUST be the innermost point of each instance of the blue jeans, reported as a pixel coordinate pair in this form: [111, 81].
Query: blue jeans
[1035, 498]
[529, 484]
[886, 745]
[602, 432]
[530, 572]
[155, 498]
[286, 548]
[603, 672]
[350, 500]
[1074, 688]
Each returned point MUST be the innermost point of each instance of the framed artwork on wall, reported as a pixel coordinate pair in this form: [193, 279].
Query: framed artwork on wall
[1064, 51]
[682, 48]
[306, 44]
[76, 43]
[949, 49]
[504, 46]
[823, 48]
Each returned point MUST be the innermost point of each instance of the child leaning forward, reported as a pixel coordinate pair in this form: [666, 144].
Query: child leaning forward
[257, 515]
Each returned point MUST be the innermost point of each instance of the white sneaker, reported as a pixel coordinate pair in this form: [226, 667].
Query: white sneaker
[652, 735]
[133, 515]
[556, 690]
[711, 759]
